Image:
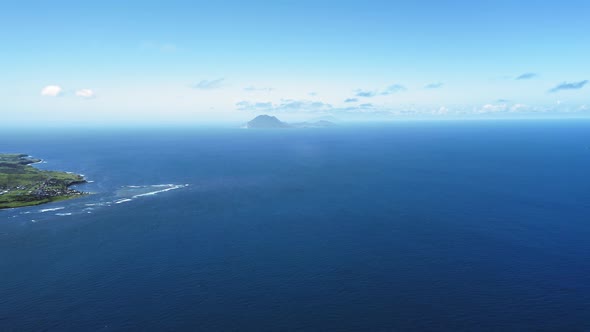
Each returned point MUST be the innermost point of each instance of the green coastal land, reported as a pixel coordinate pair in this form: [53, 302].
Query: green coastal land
[24, 185]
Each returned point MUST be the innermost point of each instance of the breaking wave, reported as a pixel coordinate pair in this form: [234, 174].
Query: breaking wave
[124, 194]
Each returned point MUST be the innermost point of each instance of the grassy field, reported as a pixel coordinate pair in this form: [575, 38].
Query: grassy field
[24, 185]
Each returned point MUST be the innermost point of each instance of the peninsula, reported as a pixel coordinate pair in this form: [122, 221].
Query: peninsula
[24, 185]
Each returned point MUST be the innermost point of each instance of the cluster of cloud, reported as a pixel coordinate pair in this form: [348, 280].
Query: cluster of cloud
[560, 87]
[526, 76]
[221, 83]
[209, 84]
[355, 105]
[317, 107]
[257, 89]
[504, 107]
[498, 108]
[569, 86]
[434, 85]
[361, 108]
[365, 94]
[394, 88]
[58, 91]
[285, 105]
[494, 110]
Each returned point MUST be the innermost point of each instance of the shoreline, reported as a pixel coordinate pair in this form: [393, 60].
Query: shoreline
[24, 185]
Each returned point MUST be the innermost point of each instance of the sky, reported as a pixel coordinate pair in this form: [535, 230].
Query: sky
[126, 62]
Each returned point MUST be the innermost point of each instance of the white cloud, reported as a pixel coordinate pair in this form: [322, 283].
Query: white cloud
[85, 93]
[286, 105]
[209, 84]
[493, 108]
[519, 108]
[52, 91]
[394, 88]
[255, 89]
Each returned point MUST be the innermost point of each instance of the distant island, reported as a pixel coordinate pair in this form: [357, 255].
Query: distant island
[268, 121]
[24, 185]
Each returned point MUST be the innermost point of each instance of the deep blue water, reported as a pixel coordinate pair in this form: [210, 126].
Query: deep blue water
[410, 226]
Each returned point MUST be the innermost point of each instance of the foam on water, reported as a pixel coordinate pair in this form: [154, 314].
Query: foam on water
[124, 194]
[133, 192]
[168, 188]
[124, 200]
[52, 209]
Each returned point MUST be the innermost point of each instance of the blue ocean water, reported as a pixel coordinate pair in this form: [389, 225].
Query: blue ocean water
[439, 226]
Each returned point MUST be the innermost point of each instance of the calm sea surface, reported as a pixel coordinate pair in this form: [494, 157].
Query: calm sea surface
[411, 226]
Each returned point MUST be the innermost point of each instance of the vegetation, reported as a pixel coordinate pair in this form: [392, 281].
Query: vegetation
[23, 185]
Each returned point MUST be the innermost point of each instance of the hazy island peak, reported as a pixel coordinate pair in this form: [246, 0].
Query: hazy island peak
[269, 121]
[266, 121]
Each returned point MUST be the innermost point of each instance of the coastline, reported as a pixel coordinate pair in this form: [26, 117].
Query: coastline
[24, 185]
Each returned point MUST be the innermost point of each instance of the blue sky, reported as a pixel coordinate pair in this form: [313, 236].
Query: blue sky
[191, 61]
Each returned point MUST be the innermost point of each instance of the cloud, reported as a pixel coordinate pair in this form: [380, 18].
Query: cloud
[351, 100]
[569, 86]
[519, 108]
[527, 76]
[365, 94]
[492, 108]
[85, 93]
[58, 91]
[433, 86]
[255, 89]
[443, 110]
[285, 105]
[52, 91]
[394, 88]
[306, 106]
[390, 111]
[209, 84]
[504, 107]
[256, 106]
[366, 108]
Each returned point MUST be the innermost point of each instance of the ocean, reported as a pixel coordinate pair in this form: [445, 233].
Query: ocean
[409, 226]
